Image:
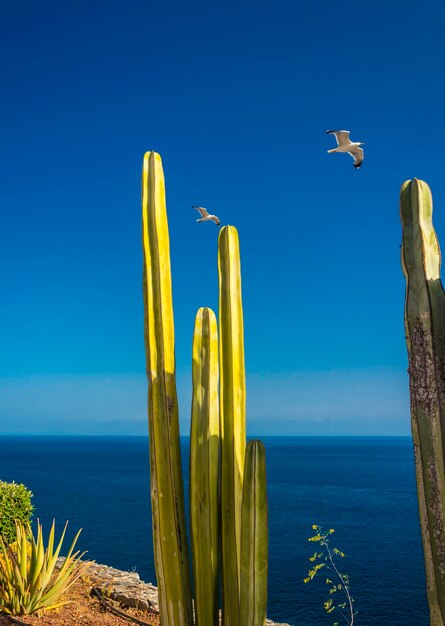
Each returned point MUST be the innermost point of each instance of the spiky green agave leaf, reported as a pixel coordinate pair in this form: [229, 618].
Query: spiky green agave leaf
[29, 580]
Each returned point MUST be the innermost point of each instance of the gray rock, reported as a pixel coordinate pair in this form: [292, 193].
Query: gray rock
[127, 588]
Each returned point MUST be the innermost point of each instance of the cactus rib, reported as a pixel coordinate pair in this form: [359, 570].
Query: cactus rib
[167, 494]
[204, 467]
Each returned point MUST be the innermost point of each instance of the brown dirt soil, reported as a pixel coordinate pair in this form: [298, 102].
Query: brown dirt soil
[83, 610]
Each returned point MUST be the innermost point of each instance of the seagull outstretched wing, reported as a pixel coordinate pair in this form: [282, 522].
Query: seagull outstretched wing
[358, 155]
[201, 210]
[342, 136]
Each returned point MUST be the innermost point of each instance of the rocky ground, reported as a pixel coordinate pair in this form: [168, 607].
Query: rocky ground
[85, 610]
[135, 600]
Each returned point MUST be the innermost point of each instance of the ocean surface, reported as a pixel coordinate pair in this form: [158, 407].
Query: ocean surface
[364, 488]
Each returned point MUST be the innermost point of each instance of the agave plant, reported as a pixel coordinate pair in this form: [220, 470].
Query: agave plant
[29, 580]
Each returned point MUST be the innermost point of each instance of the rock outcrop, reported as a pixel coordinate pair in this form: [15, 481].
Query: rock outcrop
[127, 589]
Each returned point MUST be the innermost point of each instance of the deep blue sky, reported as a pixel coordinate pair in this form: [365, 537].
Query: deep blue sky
[236, 98]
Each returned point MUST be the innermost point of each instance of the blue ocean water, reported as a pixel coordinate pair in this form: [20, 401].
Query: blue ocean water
[362, 487]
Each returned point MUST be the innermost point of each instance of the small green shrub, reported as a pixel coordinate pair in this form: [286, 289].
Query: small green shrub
[15, 504]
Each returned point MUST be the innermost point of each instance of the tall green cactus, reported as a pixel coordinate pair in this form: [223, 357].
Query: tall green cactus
[254, 540]
[204, 468]
[219, 518]
[167, 491]
[425, 337]
[232, 417]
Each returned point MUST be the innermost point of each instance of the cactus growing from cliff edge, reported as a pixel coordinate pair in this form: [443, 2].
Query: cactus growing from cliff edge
[217, 443]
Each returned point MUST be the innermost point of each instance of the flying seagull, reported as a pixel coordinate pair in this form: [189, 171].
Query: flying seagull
[205, 215]
[346, 145]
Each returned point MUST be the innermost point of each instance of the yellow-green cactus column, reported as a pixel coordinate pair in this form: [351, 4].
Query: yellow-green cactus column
[232, 415]
[254, 538]
[204, 467]
[167, 491]
[425, 337]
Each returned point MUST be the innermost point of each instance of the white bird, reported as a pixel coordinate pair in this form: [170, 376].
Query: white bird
[205, 215]
[346, 145]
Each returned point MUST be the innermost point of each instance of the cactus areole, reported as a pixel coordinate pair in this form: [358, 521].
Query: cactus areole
[425, 338]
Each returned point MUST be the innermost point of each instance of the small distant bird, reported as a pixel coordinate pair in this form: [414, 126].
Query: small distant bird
[205, 215]
[346, 145]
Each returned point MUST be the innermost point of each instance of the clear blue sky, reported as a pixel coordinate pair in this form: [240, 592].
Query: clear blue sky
[236, 98]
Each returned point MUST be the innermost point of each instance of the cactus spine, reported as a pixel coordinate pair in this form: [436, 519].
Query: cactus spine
[167, 492]
[425, 337]
[232, 417]
[204, 467]
[254, 552]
